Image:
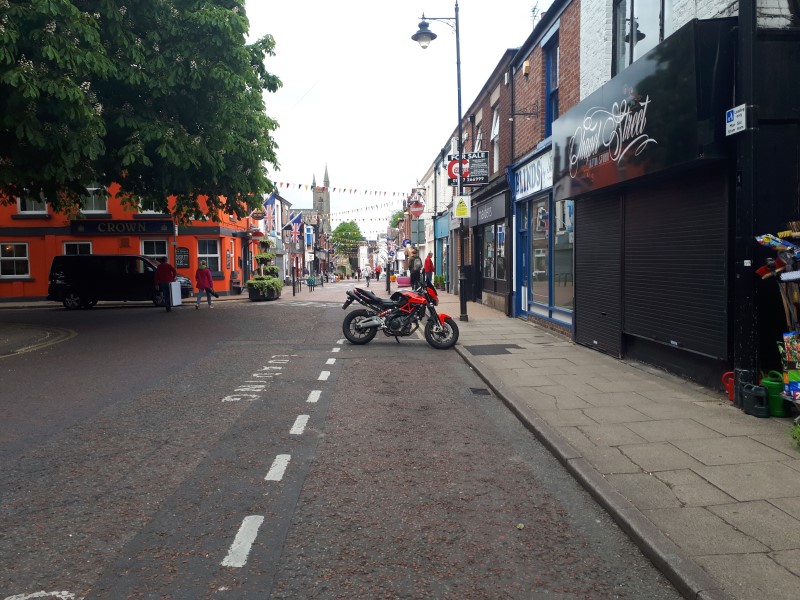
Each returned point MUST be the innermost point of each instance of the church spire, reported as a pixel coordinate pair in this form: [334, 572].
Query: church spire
[326, 182]
[313, 181]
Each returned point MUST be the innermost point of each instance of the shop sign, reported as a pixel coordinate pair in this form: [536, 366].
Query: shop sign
[111, 227]
[181, 258]
[474, 165]
[661, 112]
[534, 176]
[493, 209]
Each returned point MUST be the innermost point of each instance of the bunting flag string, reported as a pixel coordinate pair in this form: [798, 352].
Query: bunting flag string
[339, 190]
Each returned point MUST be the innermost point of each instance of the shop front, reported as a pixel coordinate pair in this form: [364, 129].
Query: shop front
[645, 164]
[492, 274]
[544, 276]
[441, 254]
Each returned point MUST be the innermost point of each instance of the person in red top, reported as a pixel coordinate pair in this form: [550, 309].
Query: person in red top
[428, 269]
[204, 284]
[164, 275]
[377, 272]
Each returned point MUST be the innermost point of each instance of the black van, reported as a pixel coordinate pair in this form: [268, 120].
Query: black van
[79, 281]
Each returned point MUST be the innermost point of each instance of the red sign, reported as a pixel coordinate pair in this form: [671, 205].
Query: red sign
[417, 208]
[452, 168]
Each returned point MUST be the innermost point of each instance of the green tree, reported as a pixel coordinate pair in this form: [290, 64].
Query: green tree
[346, 237]
[164, 97]
[396, 218]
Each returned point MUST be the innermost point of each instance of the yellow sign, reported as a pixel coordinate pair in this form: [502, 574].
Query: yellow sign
[462, 207]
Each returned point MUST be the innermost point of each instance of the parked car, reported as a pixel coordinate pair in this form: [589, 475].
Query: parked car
[80, 281]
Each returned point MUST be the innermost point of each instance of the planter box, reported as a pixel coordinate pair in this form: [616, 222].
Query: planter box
[403, 281]
[256, 296]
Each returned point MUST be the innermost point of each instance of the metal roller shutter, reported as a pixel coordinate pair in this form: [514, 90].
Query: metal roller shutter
[598, 277]
[675, 264]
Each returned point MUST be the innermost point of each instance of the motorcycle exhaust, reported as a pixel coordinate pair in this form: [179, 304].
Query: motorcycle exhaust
[375, 321]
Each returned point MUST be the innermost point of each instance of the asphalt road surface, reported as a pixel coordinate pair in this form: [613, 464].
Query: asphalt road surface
[249, 452]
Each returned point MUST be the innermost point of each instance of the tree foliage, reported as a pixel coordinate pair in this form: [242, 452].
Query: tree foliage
[346, 237]
[396, 218]
[162, 96]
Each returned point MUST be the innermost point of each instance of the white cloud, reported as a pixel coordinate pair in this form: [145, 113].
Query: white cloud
[364, 99]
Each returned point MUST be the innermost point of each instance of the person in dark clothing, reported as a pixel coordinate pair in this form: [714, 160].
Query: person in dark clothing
[164, 275]
[415, 268]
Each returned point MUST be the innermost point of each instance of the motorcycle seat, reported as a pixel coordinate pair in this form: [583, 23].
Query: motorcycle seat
[372, 296]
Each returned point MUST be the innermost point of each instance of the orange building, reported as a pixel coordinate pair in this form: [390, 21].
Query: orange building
[31, 234]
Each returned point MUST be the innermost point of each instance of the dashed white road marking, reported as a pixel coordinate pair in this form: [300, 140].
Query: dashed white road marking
[330, 361]
[335, 349]
[243, 542]
[314, 396]
[238, 397]
[278, 467]
[299, 425]
[341, 341]
[323, 376]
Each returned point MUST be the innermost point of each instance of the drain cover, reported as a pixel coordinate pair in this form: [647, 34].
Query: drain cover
[480, 391]
[492, 349]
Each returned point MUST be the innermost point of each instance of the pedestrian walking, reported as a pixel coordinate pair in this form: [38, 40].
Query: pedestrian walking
[415, 268]
[165, 274]
[367, 274]
[428, 269]
[377, 272]
[204, 283]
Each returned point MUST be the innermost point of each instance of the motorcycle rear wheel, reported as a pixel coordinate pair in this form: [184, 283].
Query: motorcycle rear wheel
[352, 333]
[446, 337]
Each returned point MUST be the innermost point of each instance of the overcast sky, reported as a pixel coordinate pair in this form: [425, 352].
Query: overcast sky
[364, 99]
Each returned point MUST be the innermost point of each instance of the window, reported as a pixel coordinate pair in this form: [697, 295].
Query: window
[479, 141]
[539, 238]
[488, 252]
[74, 248]
[150, 207]
[495, 139]
[551, 57]
[154, 248]
[639, 25]
[96, 200]
[32, 203]
[14, 260]
[208, 250]
[501, 251]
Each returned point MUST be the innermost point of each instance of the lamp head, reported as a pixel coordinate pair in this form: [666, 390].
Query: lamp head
[424, 36]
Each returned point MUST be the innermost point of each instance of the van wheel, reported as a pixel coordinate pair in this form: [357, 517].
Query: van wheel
[72, 301]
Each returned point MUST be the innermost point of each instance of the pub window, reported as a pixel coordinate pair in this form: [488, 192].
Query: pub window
[14, 260]
[30, 202]
[150, 207]
[154, 248]
[208, 250]
[75, 248]
[95, 200]
[638, 26]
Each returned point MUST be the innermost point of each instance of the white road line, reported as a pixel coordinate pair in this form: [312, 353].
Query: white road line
[314, 396]
[278, 467]
[341, 341]
[335, 349]
[330, 361]
[240, 549]
[299, 425]
[323, 376]
[49, 595]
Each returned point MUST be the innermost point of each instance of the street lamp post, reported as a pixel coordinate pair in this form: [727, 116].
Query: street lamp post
[424, 37]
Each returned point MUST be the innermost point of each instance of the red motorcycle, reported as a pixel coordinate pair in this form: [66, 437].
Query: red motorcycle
[398, 316]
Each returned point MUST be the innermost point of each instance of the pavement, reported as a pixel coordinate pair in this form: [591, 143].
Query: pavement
[710, 494]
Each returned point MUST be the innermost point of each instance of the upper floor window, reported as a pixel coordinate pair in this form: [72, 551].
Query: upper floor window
[30, 202]
[73, 248]
[150, 207]
[95, 200]
[639, 25]
[551, 58]
[495, 139]
[479, 141]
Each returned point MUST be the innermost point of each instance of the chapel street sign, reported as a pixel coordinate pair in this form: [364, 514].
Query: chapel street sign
[475, 167]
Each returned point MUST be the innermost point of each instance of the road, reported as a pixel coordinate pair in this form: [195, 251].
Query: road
[248, 452]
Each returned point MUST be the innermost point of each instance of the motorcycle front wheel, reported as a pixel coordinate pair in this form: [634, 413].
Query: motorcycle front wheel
[443, 337]
[351, 331]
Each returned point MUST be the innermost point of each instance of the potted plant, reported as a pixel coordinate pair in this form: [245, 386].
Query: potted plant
[264, 287]
[438, 282]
